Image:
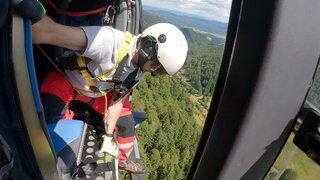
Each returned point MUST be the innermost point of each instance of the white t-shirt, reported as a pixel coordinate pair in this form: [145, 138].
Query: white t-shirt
[102, 49]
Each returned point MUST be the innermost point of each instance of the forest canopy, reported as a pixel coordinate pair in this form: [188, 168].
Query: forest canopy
[169, 137]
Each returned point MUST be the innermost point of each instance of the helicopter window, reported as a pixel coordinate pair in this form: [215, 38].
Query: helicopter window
[177, 106]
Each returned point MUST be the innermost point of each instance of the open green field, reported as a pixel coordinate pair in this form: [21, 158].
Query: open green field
[293, 158]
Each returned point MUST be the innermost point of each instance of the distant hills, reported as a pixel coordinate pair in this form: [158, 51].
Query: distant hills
[201, 38]
[179, 19]
[194, 36]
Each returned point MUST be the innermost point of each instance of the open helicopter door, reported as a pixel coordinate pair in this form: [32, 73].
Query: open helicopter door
[270, 57]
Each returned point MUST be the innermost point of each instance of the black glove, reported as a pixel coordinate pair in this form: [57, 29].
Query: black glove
[31, 9]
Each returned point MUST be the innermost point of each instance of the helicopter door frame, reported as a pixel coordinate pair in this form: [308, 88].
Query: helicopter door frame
[263, 83]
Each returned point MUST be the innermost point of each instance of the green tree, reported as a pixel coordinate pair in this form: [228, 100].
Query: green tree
[289, 174]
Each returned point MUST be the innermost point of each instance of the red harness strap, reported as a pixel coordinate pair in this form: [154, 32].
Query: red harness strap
[75, 14]
[59, 86]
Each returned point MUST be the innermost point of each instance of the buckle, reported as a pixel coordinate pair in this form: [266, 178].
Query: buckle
[120, 88]
[109, 16]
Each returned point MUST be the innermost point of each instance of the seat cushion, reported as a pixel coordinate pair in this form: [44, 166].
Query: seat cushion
[64, 132]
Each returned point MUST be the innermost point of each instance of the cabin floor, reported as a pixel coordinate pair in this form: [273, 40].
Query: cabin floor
[96, 166]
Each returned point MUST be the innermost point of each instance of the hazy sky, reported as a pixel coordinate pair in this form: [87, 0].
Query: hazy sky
[212, 9]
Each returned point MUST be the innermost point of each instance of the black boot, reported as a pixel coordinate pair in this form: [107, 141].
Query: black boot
[133, 167]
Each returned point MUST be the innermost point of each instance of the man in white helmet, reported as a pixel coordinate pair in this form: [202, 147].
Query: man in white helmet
[160, 49]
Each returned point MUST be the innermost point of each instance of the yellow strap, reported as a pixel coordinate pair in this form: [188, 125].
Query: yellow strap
[124, 47]
[83, 71]
[122, 52]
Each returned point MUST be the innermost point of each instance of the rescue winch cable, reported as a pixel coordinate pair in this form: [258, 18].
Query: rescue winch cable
[55, 65]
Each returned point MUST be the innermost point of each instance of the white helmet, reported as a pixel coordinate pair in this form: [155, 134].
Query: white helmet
[172, 46]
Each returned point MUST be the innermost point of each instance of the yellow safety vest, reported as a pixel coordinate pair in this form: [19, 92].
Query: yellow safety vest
[122, 52]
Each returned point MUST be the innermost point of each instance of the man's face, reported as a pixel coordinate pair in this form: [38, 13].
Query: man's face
[155, 67]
